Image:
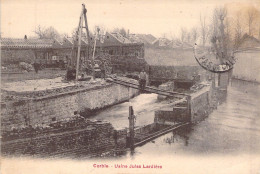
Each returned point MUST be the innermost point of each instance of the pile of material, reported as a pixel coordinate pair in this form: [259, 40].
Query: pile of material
[26, 66]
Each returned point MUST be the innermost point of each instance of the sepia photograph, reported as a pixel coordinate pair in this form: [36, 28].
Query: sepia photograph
[130, 86]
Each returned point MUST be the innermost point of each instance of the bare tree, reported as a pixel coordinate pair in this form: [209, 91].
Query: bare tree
[46, 33]
[238, 30]
[227, 23]
[121, 31]
[220, 35]
[40, 32]
[188, 38]
[183, 34]
[194, 34]
[259, 33]
[252, 14]
[204, 29]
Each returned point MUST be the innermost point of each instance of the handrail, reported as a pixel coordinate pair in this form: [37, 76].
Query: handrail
[149, 87]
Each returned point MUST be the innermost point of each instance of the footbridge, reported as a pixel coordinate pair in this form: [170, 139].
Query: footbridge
[149, 89]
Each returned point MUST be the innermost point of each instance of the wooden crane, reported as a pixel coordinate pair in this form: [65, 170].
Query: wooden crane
[83, 19]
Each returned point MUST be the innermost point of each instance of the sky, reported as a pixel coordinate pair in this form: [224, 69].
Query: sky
[157, 17]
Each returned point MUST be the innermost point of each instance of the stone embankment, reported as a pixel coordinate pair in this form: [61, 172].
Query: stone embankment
[44, 106]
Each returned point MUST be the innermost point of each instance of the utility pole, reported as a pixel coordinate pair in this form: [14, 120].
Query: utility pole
[131, 126]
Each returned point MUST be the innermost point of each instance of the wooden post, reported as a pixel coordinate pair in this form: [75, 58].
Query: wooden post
[93, 57]
[189, 108]
[79, 45]
[131, 126]
[86, 26]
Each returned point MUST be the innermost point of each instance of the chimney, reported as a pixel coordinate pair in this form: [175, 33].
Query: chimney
[25, 36]
[128, 33]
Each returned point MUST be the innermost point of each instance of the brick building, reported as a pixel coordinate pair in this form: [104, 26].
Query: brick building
[52, 51]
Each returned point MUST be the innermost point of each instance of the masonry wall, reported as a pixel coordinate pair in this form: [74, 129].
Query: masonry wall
[247, 66]
[178, 114]
[16, 56]
[200, 105]
[93, 138]
[54, 108]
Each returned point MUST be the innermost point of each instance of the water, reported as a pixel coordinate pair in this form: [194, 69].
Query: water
[225, 142]
[233, 128]
[144, 106]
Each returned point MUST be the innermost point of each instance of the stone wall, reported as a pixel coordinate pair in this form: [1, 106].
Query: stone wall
[54, 108]
[95, 137]
[178, 114]
[247, 66]
[200, 104]
[205, 100]
[16, 56]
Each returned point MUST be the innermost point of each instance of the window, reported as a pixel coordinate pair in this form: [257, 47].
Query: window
[53, 119]
[107, 37]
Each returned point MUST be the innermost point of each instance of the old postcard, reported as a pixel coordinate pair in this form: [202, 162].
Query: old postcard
[130, 86]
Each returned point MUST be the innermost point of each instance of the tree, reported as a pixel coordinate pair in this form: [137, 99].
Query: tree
[183, 34]
[46, 33]
[188, 37]
[259, 33]
[204, 29]
[220, 35]
[238, 30]
[194, 34]
[121, 31]
[252, 15]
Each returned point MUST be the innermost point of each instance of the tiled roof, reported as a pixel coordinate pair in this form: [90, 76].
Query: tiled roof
[147, 38]
[26, 43]
[120, 38]
[134, 38]
[63, 42]
[70, 39]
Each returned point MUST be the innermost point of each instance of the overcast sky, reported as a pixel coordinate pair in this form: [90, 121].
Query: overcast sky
[20, 17]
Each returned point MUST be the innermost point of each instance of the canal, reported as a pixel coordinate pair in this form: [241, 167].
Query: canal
[234, 128]
[144, 106]
[227, 141]
[231, 129]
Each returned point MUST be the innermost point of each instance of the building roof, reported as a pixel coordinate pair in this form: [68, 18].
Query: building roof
[147, 39]
[111, 39]
[26, 43]
[134, 38]
[120, 38]
[249, 42]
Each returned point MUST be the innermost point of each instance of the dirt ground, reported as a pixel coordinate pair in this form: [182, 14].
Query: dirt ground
[42, 74]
